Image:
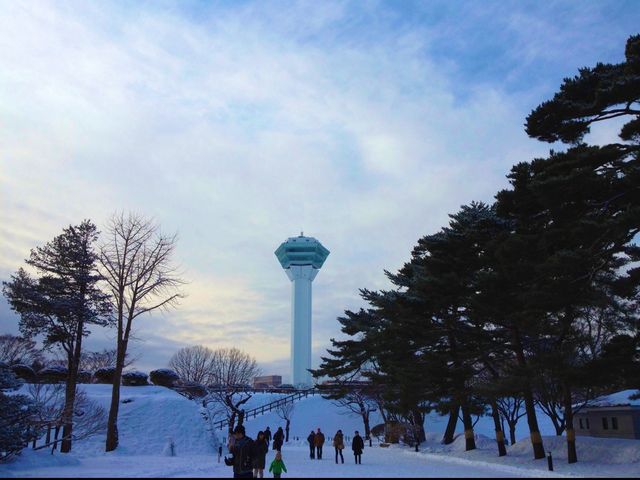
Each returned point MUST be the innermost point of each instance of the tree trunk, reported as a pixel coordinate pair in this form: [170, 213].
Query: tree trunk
[367, 428]
[55, 438]
[502, 451]
[112, 423]
[529, 405]
[451, 425]
[418, 422]
[512, 433]
[70, 390]
[232, 421]
[470, 442]
[286, 429]
[241, 418]
[572, 454]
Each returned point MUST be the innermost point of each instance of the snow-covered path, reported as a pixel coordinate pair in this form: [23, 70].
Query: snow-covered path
[376, 462]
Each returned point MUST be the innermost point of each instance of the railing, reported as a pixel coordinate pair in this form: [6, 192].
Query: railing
[268, 407]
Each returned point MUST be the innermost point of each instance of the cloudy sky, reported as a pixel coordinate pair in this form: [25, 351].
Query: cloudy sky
[238, 124]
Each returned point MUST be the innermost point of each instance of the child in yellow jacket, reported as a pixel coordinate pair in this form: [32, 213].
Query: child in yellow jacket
[277, 466]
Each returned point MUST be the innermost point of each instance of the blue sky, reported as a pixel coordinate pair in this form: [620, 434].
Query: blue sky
[238, 124]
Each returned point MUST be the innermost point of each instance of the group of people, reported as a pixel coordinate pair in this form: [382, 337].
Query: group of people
[316, 441]
[249, 457]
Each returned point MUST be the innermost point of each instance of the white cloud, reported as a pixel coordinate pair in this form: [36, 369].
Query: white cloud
[239, 126]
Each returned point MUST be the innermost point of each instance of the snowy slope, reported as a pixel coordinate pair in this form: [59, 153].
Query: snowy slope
[148, 416]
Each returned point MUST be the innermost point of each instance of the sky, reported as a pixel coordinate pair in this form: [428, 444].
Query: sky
[237, 124]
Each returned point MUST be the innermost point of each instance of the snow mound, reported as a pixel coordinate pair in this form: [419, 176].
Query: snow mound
[590, 449]
[148, 416]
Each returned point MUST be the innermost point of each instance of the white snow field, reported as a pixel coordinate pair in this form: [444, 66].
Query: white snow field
[153, 414]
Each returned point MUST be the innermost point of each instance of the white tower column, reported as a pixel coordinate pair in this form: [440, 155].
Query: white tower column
[301, 277]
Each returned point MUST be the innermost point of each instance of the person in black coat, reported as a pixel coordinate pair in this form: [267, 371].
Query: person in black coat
[267, 436]
[260, 449]
[312, 444]
[278, 439]
[357, 445]
[242, 451]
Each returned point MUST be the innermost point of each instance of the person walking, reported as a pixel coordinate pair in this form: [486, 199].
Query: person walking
[318, 440]
[278, 439]
[277, 466]
[267, 436]
[312, 444]
[338, 444]
[260, 449]
[357, 445]
[242, 451]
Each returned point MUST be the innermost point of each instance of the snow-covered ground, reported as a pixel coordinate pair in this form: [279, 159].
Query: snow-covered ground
[153, 414]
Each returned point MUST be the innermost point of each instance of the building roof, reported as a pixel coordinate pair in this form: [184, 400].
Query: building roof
[616, 399]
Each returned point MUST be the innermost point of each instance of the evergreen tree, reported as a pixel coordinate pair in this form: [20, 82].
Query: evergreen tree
[62, 302]
[16, 415]
[578, 211]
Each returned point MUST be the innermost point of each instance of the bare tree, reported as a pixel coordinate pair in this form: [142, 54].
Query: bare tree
[231, 371]
[511, 410]
[92, 361]
[136, 262]
[89, 418]
[360, 403]
[193, 364]
[285, 412]
[14, 350]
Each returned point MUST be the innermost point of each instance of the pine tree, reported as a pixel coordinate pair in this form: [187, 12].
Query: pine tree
[62, 302]
[16, 417]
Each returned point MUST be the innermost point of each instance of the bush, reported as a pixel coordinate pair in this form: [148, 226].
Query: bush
[25, 372]
[104, 375]
[164, 377]
[53, 375]
[191, 390]
[378, 431]
[394, 432]
[17, 414]
[134, 378]
[84, 376]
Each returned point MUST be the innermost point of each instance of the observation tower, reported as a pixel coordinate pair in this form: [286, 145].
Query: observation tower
[301, 257]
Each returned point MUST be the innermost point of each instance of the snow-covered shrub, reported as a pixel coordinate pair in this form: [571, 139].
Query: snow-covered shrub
[378, 431]
[53, 375]
[394, 432]
[134, 378]
[191, 390]
[25, 372]
[163, 377]
[84, 376]
[104, 375]
[16, 412]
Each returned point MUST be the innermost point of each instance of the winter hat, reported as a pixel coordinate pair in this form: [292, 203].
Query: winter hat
[239, 429]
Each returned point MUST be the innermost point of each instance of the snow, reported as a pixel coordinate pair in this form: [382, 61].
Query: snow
[616, 399]
[153, 416]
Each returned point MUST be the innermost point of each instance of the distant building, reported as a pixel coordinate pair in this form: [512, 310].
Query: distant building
[611, 416]
[268, 381]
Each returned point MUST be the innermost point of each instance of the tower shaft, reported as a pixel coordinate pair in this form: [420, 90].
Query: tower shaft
[301, 277]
